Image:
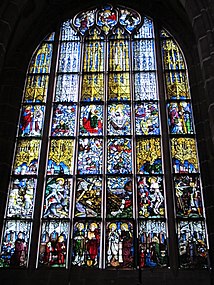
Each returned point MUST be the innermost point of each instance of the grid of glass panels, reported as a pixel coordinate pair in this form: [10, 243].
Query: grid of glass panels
[22, 188]
[104, 184]
[192, 244]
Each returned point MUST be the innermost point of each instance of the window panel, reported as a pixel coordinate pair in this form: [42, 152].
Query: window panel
[64, 119]
[177, 85]
[93, 56]
[21, 198]
[15, 244]
[57, 198]
[88, 197]
[119, 120]
[147, 119]
[119, 55]
[119, 244]
[36, 88]
[119, 86]
[60, 159]
[148, 156]
[53, 244]
[184, 155]
[27, 155]
[67, 88]
[86, 245]
[90, 156]
[31, 122]
[153, 244]
[119, 156]
[180, 118]
[150, 197]
[145, 84]
[92, 87]
[69, 57]
[41, 61]
[119, 197]
[91, 120]
[188, 197]
[144, 55]
[192, 244]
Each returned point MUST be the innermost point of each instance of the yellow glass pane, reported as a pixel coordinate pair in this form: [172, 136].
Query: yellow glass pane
[184, 155]
[119, 56]
[93, 56]
[118, 86]
[149, 156]
[92, 87]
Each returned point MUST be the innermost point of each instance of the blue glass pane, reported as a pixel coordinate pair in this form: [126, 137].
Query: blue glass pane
[67, 33]
[67, 88]
[93, 60]
[90, 156]
[119, 156]
[145, 86]
[152, 244]
[15, 244]
[146, 31]
[64, 120]
[69, 58]
[119, 197]
[147, 119]
[144, 55]
[119, 122]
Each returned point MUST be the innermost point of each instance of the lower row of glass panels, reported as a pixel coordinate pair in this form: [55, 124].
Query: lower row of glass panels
[121, 250]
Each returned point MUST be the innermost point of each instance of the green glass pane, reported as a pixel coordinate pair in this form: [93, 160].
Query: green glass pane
[86, 244]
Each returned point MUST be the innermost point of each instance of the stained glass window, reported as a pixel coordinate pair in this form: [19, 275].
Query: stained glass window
[91, 150]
